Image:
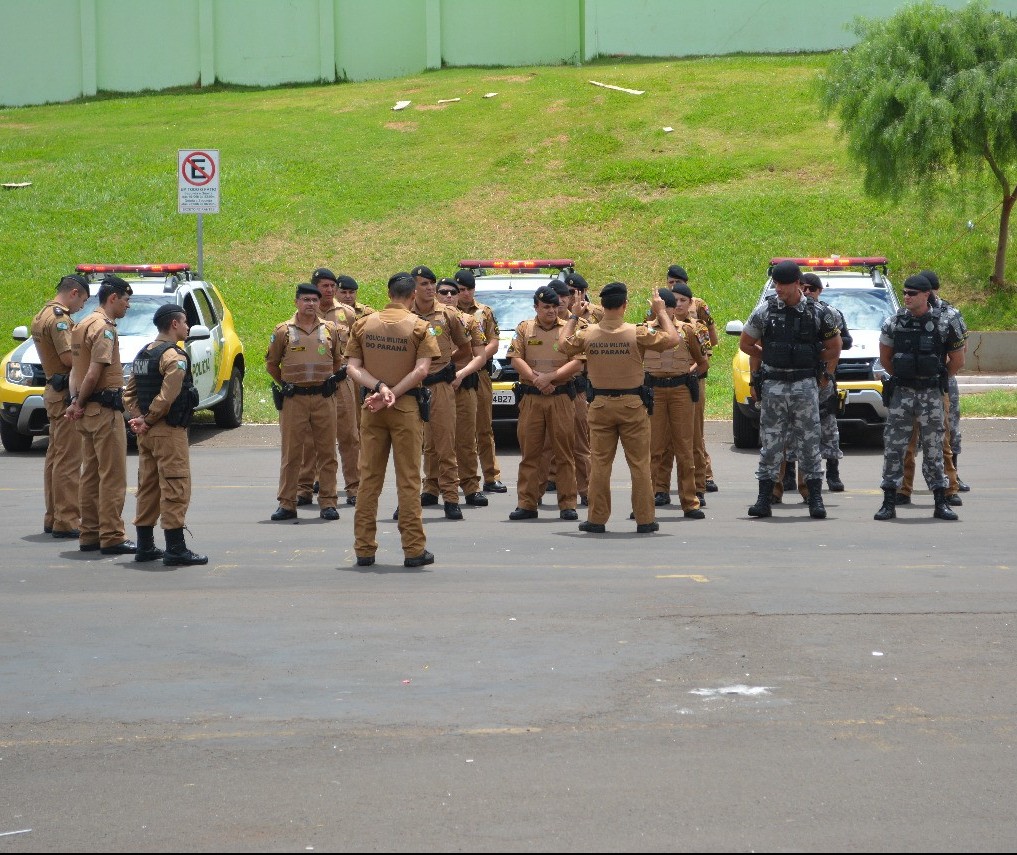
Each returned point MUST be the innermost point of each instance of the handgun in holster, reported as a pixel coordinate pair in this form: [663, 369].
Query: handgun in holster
[646, 395]
[424, 403]
[692, 383]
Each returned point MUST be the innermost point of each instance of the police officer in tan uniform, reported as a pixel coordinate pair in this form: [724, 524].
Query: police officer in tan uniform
[546, 414]
[96, 407]
[347, 294]
[160, 398]
[347, 403]
[389, 354]
[484, 316]
[51, 331]
[303, 357]
[674, 376]
[614, 359]
[466, 385]
[678, 281]
[441, 471]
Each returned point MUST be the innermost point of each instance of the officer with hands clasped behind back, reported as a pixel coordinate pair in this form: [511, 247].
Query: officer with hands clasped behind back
[96, 387]
[160, 398]
[546, 414]
[51, 331]
[919, 348]
[389, 354]
[305, 358]
[620, 402]
[796, 341]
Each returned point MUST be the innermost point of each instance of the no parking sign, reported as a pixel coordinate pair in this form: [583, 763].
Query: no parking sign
[198, 181]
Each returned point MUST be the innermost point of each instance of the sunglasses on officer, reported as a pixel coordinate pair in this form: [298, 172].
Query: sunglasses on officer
[912, 293]
[812, 287]
[448, 292]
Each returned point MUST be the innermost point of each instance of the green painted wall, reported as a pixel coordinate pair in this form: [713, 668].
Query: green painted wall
[58, 50]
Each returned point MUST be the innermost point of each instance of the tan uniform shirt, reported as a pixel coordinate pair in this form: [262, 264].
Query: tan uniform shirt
[51, 332]
[449, 332]
[614, 352]
[306, 357]
[538, 347]
[95, 339]
[476, 339]
[680, 359]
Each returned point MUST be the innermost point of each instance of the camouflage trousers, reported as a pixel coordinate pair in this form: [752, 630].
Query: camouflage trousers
[923, 407]
[955, 430]
[789, 419]
[829, 432]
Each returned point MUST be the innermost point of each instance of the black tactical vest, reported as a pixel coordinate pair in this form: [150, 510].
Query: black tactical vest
[918, 348]
[148, 382]
[791, 338]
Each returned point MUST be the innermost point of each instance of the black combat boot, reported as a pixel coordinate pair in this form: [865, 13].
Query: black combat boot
[943, 510]
[177, 553]
[147, 550]
[964, 488]
[888, 510]
[817, 510]
[833, 476]
[762, 506]
[790, 478]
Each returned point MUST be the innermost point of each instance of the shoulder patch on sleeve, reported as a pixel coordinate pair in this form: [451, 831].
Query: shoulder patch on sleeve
[61, 325]
[109, 334]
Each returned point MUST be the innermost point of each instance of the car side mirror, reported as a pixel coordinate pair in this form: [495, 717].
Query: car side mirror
[20, 333]
[198, 333]
[734, 328]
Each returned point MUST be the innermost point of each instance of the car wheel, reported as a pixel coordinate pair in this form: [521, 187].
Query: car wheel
[12, 440]
[229, 413]
[746, 431]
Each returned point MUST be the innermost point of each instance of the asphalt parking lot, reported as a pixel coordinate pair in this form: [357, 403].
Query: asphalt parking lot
[726, 684]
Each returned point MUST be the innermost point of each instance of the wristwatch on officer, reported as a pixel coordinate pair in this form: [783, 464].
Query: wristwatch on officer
[378, 385]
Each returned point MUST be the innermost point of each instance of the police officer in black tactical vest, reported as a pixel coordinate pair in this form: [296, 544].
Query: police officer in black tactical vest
[160, 398]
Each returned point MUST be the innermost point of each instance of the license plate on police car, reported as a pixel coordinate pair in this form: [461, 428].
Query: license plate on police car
[503, 397]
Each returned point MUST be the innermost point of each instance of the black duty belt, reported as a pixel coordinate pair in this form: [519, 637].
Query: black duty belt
[667, 382]
[788, 373]
[308, 390]
[918, 382]
[445, 375]
[112, 399]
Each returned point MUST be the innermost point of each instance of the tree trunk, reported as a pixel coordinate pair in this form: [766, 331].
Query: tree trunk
[999, 272]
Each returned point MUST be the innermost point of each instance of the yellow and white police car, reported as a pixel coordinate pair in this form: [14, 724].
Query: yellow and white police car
[860, 288]
[217, 362]
[507, 286]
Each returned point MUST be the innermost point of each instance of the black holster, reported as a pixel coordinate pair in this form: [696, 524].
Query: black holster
[277, 396]
[112, 399]
[471, 381]
[889, 385]
[693, 386]
[59, 382]
[646, 394]
[423, 396]
[446, 375]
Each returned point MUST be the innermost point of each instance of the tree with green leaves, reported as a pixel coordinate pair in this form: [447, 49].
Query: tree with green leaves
[929, 97]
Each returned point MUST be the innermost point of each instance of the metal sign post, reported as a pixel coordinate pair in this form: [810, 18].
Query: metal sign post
[198, 189]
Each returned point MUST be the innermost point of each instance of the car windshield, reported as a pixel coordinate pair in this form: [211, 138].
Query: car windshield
[509, 307]
[138, 320]
[862, 309]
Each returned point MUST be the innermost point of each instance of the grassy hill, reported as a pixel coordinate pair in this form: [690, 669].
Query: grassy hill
[551, 166]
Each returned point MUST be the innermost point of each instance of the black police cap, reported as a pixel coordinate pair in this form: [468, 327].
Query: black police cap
[547, 294]
[347, 283]
[322, 273]
[681, 288]
[785, 272]
[402, 274]
[575, 280]
[614, 289]
[676, 271]
[466, 278]
[917, 283]
[932, 277]
[667, 295]
[308, 288]
[116, 284]
[165, 310]
[424, 272]
[76, 280]
[559, 287]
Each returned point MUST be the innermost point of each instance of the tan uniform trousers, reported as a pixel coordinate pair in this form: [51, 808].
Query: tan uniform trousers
[546, 420]
[909, 457]
[580, 447]
[347, 428]
[102, 489]
[672, 431]
[400, 431]
[441, 472]
[164, 477]
[304, 416]
[466, 441]
[612, 419]
[704, 466]
[485, 429]
[63, 466]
